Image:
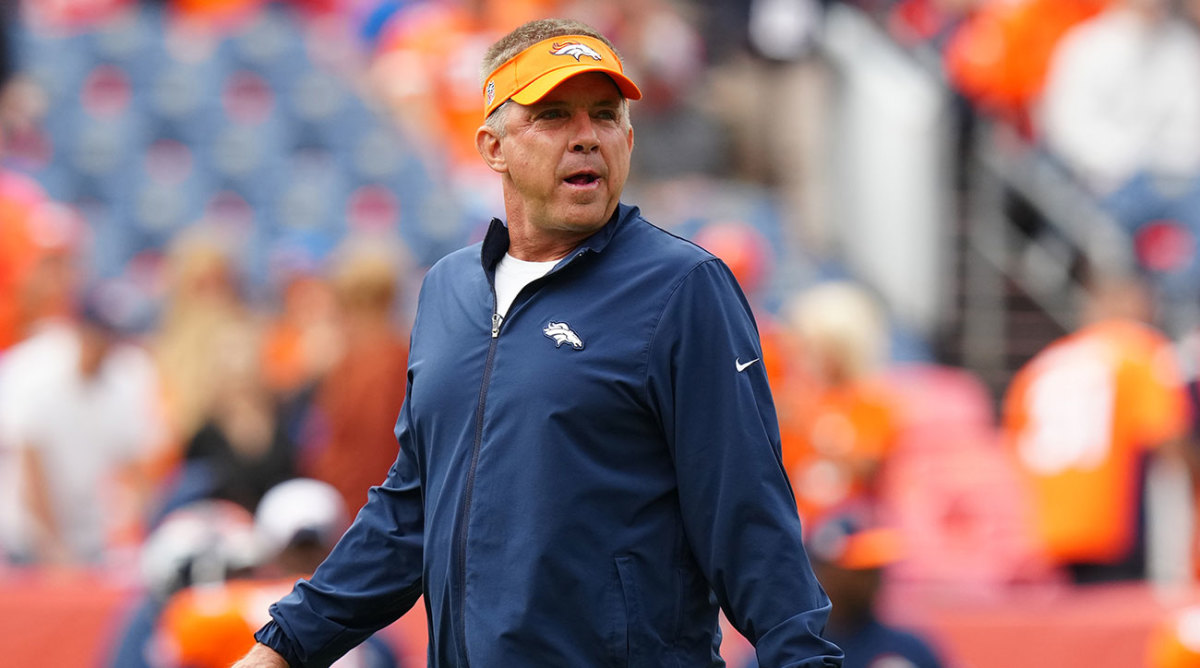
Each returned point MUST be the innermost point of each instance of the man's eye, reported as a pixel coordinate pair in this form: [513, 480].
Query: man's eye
[607, 115]
[550, 114]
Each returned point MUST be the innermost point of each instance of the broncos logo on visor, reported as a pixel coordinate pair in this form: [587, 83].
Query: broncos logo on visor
[561, 333]
[574, 49]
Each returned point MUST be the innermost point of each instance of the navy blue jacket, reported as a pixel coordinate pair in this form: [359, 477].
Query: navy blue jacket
[874, 643]
[581, 483]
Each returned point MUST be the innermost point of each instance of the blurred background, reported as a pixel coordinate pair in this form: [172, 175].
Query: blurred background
[969, 230]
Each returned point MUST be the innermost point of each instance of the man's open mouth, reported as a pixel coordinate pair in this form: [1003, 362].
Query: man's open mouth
[583, 178]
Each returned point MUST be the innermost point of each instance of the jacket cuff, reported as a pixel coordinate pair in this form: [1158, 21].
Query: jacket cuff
[272, 635]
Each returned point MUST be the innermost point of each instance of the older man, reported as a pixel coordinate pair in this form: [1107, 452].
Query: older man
[589, 457]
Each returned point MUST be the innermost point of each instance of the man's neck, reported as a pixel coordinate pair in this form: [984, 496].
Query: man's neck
[539, 254]
[539, 245]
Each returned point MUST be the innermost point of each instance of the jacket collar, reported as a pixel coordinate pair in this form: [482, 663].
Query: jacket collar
[495, 242]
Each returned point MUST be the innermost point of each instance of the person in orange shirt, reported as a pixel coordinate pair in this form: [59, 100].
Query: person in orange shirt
[836, 414]
[1082, 419]
[300, 341]
[348, 440]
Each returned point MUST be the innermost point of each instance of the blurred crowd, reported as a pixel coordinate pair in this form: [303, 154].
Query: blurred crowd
[1104, 89]
[214, 215]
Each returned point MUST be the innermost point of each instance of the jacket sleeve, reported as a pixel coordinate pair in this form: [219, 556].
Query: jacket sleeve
[371, 578]
[707, 382]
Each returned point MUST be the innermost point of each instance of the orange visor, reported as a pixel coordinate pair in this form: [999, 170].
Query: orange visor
[528, 76]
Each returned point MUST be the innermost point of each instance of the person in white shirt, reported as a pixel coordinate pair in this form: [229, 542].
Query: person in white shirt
[79, 417]
[1121, 111]
[1122, 96]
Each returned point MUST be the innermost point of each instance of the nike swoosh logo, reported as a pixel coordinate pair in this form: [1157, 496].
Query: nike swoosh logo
[737, 362]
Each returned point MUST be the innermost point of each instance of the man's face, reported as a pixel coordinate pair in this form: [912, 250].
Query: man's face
[567, 158]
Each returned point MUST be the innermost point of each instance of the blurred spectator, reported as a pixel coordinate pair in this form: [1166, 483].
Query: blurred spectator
[34, 232]
[297, 523]
[999, 56]
[301, 341]
[203, 298]
[837, 424]
[1120, 97]
[79, 407]
[1122, 111]
[39, 244]
[211, 626]
[243, 446]
[1083, 419]
[776, 66]
[850, 557]
[231, 430]
[201, 543]
[350, 442]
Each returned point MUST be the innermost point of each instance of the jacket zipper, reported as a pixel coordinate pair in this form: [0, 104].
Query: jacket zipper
[469, 490]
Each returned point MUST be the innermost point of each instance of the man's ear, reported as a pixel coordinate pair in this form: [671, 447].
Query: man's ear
[488, 145]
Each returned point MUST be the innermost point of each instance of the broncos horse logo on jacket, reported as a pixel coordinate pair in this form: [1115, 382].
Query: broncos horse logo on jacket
[561, 333]
[574, 49]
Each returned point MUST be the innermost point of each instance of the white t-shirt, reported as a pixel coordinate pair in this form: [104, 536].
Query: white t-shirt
[512, 275]
[85, 430]
[1121, 96]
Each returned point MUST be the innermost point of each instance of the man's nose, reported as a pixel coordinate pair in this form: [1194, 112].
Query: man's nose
[585, 138]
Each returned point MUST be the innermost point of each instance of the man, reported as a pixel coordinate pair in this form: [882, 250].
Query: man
[1085, 419]
[1119, 112]
[589, 457]
[839, 418]
[79, 405]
